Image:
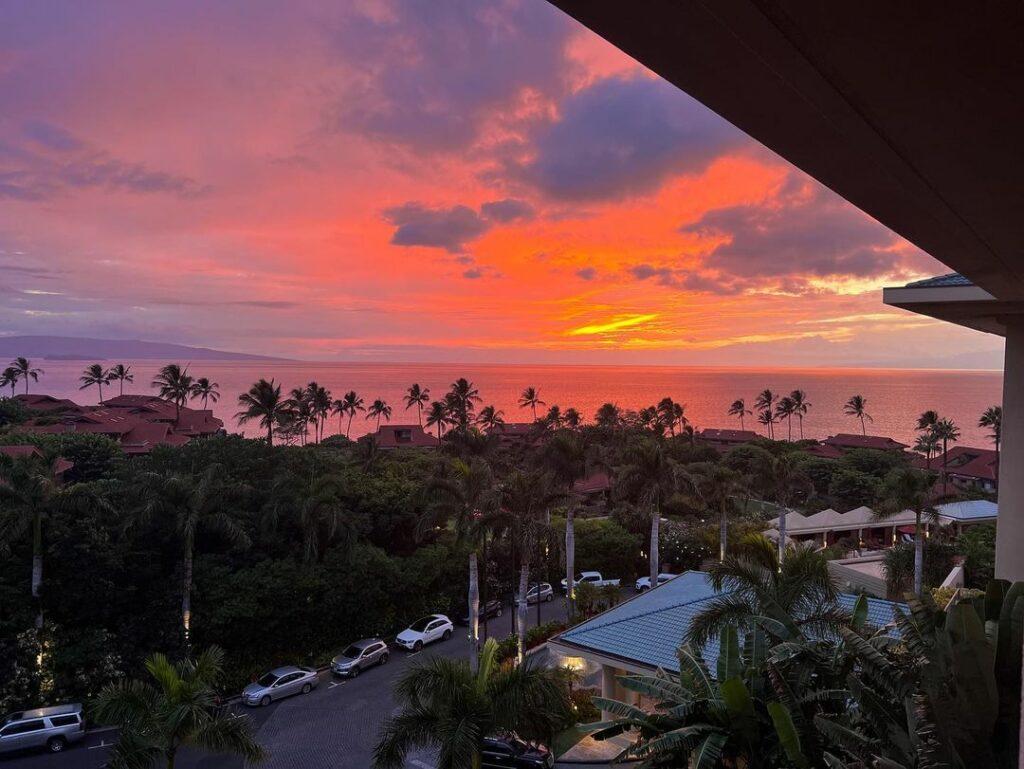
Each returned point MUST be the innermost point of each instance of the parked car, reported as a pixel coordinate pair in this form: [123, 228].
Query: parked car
[359, 656]
[491, 608]
[53, 728]
[510, 752]
[644, 583]
[593, 577]
[426, 630]
[279, 683]
[541, 592]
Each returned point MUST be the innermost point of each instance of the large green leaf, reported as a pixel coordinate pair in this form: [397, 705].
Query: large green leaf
[708, 754]
[728, 653]
[691, 663]
[860, 613]
[789, 738]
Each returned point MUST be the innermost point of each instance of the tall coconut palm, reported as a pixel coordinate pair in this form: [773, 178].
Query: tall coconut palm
[25, 371]
[490, 418]
[263, 401]
[349, 404]
[571, 418]
[379, 409]
[857, 407]
[175, 384]
[208, 391]
[446, 706]
[94, 376]
[800, 407]
[714, 488]
[176, 709]
[785, 409]
[195, 503]
[992, 418]
[766, 419]
[320, 406]
[466, 494]
[650, 476]
[301, 416]
[765, 402]
[9, 378]
[608, 415]
[417, 396]
[797, 593]
[947, 432]
[927, 419]
[461, 399]
[908, 489]
[787, 482]
[530, 398]
[29, 493]
[671, 413]
[928, 444]
[553, 419]
[739, 409]
[121, 373]
[566, 456]
[437, 417]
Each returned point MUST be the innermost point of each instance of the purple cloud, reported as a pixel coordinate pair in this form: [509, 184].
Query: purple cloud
[507, 210]
[586, 273]
[447, 228]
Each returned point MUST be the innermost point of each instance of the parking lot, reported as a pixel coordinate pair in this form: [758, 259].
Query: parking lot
[335, 726]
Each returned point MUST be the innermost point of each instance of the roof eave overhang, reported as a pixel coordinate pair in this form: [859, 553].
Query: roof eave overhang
[969, 306]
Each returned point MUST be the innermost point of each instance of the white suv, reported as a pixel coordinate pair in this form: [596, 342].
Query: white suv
[53, 728]
[423, 631]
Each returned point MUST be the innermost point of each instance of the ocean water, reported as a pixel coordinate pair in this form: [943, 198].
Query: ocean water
[894, 397]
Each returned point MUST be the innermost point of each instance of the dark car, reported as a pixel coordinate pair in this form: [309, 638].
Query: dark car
[491, 608]
[510, 752]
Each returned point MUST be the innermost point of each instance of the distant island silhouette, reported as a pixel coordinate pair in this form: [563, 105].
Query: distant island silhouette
[85, 348]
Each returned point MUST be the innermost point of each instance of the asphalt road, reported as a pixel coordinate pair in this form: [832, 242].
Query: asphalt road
[333, 727]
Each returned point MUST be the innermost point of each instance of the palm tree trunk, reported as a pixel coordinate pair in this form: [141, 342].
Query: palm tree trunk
[723, 534]
[863, 429]
[800, 419]
[483, 588]
[37, 565]
[570, 559]
[918, 554]
[186, 595]
[789, 421]
[782, 535]
[655, 531]
[349, 429]
[742, 426]
[474, 612]
[944, 458]
[524, 578]
[270, 434]
[121, 391]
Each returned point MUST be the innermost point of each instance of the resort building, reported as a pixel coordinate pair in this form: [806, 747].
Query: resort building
[137, 422]
[643, 634]
[60, 467]
[967, 468]
[515, 433]
[404, 436]
[848, 441]
[723, 440]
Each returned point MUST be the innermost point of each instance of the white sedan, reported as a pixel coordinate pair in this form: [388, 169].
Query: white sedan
[436, 627]
[644, 583]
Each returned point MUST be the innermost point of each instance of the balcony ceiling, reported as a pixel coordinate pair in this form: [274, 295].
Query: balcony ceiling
[914, 112]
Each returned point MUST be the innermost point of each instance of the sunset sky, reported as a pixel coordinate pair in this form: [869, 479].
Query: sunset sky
[424, 181]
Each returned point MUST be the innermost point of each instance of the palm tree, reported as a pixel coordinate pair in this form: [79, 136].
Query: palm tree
[438, 417]
[566, 455]
[207, 390]
[25, 371]
[417, 396]
[322, 515]
[378, 409]
[490, 418]
[787, 482]
[571, 418]
[670, 414]
[785, 409]
[947, 432]
[445, 705]
[264, 402]
[857, 407]
[462, 398]
[608, 415]
[121, 373]
[301, 407]
[766, 419]
[928, 444]
[349, 404]
[530, 398]
[176, 709]
[713, 487]
[739, 409]
[908, 489]
[797, 593]
[800, 407]
[320, 407]
[94, 375]
[992, 418]
[927, 419]
[651, 476]
[175, 384]
[9, 378]
[194, 503]
[466, 494]
[765, 402]
[553, 419]
[29, 493]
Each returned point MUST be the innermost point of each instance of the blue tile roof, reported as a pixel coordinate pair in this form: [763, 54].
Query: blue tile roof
[941, 281]
[649, 628]
[971, 510]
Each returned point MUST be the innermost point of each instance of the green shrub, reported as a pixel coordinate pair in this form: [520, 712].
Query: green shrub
[583, 705]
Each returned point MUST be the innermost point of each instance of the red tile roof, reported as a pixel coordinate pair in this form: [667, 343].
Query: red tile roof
[713, 435]
[823, 450]
[399, 436]
[965, 461]
[61, 466]
[40, 402]
[593, 483]
[851, 441]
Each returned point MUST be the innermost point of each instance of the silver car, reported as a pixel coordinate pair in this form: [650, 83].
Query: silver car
[359, 656]
[53, 728]
[280, 683]
[541, 592]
